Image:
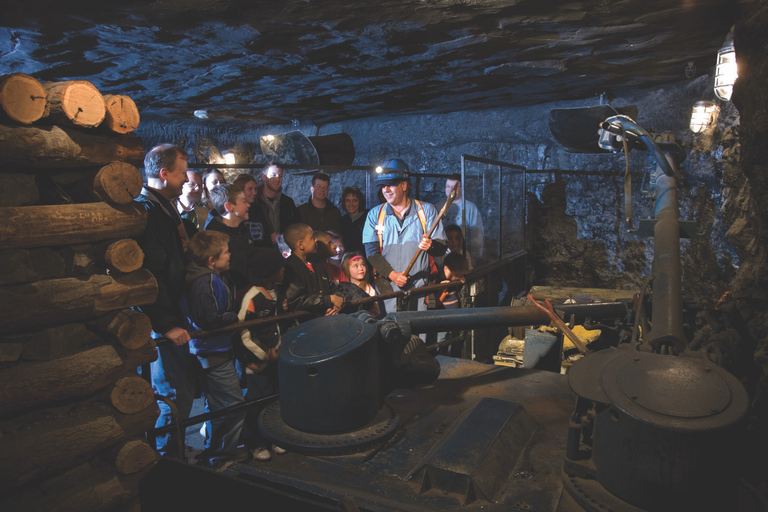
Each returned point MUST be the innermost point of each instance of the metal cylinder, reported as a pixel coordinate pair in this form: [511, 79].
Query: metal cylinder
[329, 374]
[446, 320]
[668, 437]
[667, 310]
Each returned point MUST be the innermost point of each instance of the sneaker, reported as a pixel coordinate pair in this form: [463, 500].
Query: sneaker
[261, 453]
[278, 450]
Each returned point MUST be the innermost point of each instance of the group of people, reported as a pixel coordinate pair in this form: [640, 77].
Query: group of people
[224, 253]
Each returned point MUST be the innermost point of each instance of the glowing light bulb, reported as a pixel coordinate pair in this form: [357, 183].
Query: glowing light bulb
[703, 116]
[726, 72]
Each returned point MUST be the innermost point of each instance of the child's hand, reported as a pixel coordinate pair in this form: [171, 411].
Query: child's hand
[271, 355]
[338, 302]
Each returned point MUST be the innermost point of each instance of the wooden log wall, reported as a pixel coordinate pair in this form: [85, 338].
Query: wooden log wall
[73, 408]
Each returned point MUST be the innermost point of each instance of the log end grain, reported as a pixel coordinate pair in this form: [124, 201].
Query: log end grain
[118, 182]
[131, 394]
[133, 456]
[124, 256]
[78, 102]
[122, 114]
[131, 328]
[22, 98]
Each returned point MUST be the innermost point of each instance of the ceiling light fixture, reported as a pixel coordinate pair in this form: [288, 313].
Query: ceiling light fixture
[703, 116]
[726, 72]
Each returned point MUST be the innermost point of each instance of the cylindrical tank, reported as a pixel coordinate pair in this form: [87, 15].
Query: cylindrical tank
[667, 437]
[329, 374]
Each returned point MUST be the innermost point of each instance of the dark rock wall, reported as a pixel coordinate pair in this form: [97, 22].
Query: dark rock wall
[575, 228]
[745, 182]
[576, 234]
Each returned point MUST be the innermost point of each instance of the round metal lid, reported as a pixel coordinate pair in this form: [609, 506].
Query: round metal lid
[674, 392]
[325, 335]
[584, 375]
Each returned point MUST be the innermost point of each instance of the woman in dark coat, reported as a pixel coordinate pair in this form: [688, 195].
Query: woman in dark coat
[353, 219]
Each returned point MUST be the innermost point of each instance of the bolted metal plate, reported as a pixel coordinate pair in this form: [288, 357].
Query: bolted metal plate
[673, 392]
[324, 335]
[273, 427]
[584, 375]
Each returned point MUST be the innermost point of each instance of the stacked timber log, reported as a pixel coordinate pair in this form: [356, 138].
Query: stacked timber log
[73, 408]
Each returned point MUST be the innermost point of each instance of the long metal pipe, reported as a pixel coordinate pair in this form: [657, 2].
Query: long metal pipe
[667, 309]
[448, 319]
[510, 316]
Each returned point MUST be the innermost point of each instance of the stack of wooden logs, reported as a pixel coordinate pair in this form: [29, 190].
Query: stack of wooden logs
[72, 405]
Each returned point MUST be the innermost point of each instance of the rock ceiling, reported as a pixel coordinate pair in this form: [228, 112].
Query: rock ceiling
[324, 61]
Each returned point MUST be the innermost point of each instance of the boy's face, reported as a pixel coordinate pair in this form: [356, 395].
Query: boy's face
[454, 240]
[325, 246]
[221, 263]
[239, 209]
[453, 276]
[309, 242]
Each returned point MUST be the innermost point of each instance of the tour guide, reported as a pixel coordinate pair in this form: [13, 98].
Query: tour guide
[396, 230]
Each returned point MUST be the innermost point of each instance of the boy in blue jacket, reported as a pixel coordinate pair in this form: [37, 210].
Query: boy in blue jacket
[209, 304]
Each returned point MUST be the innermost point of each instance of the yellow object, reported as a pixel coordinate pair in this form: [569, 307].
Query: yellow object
[583, 334]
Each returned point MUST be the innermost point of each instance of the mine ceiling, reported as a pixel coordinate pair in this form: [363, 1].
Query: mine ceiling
[325, 61]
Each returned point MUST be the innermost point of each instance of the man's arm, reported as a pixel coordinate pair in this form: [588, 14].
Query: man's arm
[164, 314]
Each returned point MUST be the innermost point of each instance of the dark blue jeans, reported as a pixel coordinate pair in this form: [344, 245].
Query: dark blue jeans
[222, 390]
[174, 375]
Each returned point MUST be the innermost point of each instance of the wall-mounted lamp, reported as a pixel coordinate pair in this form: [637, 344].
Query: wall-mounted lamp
[379, 169]
[726, 72]
[704, 115]
[229, 158]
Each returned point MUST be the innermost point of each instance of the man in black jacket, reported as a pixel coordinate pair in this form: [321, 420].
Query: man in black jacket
[164, 243]
[277, 210]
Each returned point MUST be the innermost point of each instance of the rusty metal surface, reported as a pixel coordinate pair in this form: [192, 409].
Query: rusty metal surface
[424, 466]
